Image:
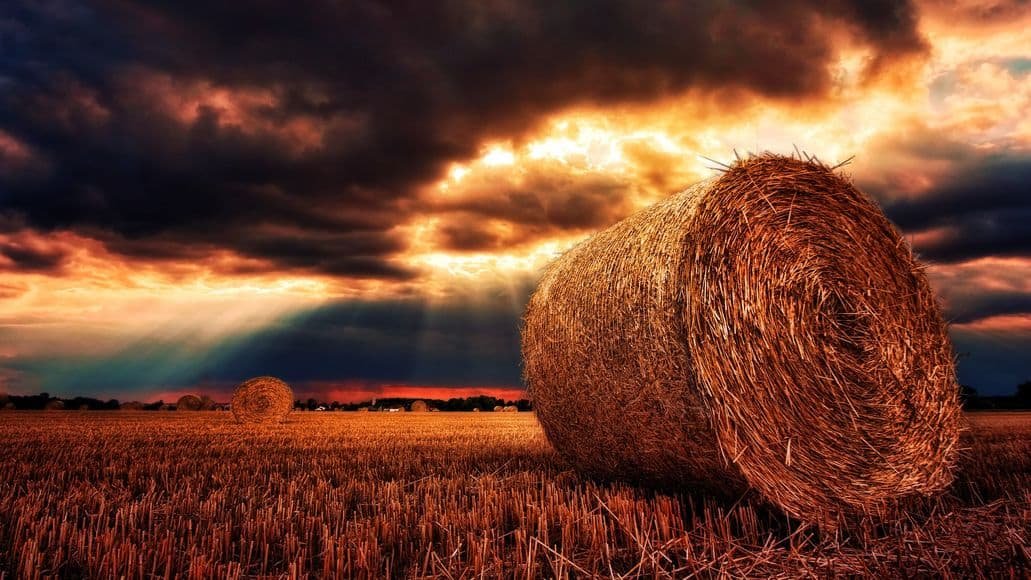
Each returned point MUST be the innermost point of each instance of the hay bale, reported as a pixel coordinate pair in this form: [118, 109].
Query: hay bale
[769, 328]
[476, 409]
[419, 407]
[54, 405]
[9, 406]
[207, 404]
[262, 400]
[363, 409]
[131, 406]
[510, 409]
[498, 409]
[189, 403]
[84, 407]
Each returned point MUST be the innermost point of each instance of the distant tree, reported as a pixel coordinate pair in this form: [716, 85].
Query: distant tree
[1023, 395]
[312, 404]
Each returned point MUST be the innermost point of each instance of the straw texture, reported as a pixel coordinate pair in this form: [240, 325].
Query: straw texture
[768, 328]
[262, 400]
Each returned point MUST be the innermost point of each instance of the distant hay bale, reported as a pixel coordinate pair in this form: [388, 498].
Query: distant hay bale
[131, 406]
[189, 403]
[498, 409]
[262, 400]
[165, 407]
[419, 407]
[476, 409]
[363, 409]
[207, 404]
[434, 410]
[9, 406]
[84, 407]
[768, 327]
[510, 409]
[54, 405]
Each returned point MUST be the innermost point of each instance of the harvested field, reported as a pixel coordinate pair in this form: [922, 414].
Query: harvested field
[108, 494]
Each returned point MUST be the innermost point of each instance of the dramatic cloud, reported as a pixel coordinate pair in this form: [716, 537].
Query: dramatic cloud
[982, 208]
[268, 131]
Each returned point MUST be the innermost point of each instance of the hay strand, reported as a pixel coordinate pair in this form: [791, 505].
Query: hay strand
[262, 400]
[766, 328]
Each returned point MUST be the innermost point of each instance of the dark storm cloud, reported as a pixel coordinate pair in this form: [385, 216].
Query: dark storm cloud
[984, 303]
[27, 258]
[332, 112]
[543, 201]
[982, 210]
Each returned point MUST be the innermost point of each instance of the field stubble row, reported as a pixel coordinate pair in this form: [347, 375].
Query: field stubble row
[452, 495]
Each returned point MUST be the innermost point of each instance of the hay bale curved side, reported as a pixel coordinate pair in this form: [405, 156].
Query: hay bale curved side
[207, 403]
[131, 406]
[419, 407]
[262, 400]
[769, 327]
[189, 403]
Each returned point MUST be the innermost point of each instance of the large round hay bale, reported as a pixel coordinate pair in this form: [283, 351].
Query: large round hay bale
[476, 409]
[419, 407]
[189, 403]
[498, 408]
[262, 400]
[131, 406]
[54, 405]
[511, 409]
[768, 327]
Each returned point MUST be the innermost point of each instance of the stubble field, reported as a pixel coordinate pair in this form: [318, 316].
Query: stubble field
[194, 495]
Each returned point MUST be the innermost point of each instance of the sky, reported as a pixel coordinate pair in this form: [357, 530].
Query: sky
[358, 197]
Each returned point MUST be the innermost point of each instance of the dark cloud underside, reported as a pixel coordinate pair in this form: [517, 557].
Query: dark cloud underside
[336, 111]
